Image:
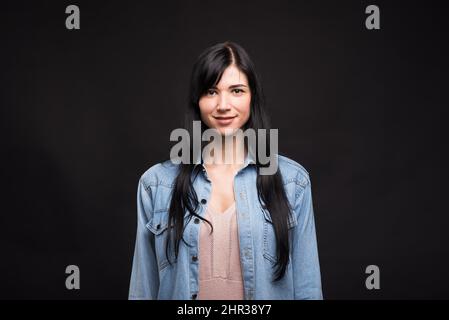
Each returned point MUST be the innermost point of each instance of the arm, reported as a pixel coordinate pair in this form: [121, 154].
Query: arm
[144, 282]
[305, 260]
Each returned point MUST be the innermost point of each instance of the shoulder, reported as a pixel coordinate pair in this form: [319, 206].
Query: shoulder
[292, 171]
[160, 174]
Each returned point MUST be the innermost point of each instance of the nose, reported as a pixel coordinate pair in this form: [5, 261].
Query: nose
[223, 104]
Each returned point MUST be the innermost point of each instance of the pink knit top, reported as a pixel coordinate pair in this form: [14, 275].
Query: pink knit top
[220, 273]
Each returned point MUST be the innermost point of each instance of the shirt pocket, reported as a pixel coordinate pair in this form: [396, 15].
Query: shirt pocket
[269, 236]
[158, 225]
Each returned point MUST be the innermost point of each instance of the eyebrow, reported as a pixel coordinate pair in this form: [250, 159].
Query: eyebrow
[231, 87]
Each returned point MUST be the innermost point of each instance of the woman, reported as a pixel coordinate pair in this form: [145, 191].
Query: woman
[211, 229]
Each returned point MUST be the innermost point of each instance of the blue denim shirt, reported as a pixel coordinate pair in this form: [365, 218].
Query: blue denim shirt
[152, 277]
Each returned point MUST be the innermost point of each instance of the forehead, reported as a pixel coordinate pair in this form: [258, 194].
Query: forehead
[231, 76]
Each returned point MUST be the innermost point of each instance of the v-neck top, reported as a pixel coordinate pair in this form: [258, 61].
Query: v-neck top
[220, 273]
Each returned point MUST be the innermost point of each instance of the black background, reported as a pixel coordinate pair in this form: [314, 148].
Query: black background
[85, 112]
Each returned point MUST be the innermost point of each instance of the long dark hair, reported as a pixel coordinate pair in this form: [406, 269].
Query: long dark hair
[206, 73]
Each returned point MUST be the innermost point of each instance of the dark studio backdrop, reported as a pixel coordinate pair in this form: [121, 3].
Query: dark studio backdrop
[85, 112]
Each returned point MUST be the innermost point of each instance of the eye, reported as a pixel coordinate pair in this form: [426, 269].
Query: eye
[238, 91]
[210, 92]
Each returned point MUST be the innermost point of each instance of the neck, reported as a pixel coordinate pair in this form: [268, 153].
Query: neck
[230, 150]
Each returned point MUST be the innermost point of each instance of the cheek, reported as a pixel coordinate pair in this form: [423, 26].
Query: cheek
[244, 107]
[206, 108]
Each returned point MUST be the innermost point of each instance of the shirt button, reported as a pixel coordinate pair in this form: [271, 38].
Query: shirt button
[196, 220]
[194, 258]
[203, 201]
[194, 296]
[158, 226]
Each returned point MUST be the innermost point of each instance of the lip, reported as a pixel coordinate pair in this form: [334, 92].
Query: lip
[224, 120]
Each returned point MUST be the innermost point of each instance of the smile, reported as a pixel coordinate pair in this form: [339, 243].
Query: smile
[224, 120]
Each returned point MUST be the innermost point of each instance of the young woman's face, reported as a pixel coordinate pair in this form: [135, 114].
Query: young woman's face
[227, 106]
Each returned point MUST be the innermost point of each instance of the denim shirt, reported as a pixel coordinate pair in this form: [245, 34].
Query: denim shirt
[152, 277]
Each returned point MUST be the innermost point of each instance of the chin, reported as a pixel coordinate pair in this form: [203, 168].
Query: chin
[227, 131]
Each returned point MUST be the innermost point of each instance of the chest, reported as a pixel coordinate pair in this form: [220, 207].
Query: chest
[222, 190]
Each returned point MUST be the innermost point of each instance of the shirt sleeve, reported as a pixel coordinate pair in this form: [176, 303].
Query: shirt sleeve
[144, 282]
[305, 260]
